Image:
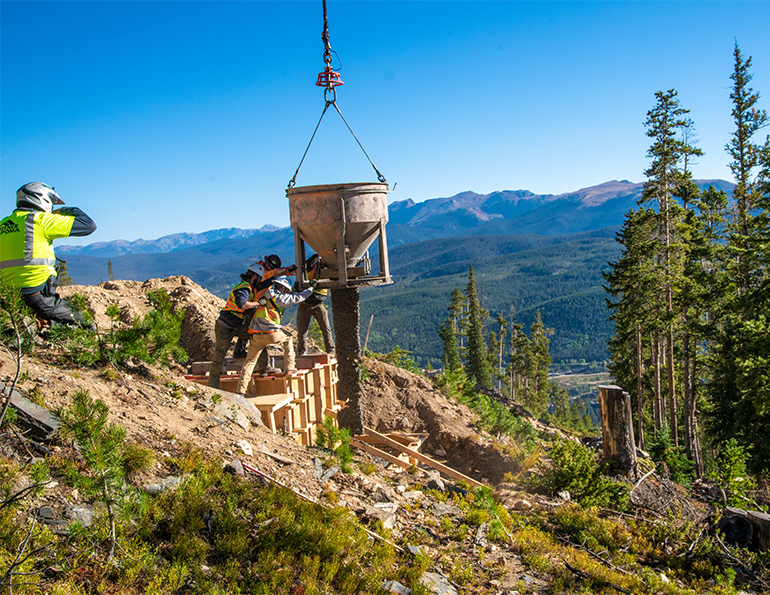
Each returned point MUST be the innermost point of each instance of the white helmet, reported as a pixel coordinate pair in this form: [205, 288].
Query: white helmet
[37, 196]
[257, 269]
[283, 281]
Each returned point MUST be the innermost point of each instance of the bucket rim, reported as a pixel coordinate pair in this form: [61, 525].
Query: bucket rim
[344, 187]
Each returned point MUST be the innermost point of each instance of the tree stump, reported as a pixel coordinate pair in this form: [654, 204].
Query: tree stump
[617, 430]
[760, 522]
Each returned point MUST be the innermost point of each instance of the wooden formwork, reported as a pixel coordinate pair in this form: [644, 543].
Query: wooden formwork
[297, 404]
[292, 403]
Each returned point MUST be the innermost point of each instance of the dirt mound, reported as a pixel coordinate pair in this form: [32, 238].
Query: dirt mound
[201, 307]
[395, 400]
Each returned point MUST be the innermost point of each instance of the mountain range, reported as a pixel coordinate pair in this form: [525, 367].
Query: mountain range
[529, 252]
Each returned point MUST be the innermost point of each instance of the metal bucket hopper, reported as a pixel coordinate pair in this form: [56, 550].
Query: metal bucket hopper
[340, 222]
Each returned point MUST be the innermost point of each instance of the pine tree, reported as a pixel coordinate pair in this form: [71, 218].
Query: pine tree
[746, 157]
[477, 366]
[537, 366]
[63, 274]
[451, 332]
[500, 374]
[518, 356]
[110, 274]
[631, 281]
[739, 383]
[664, 122]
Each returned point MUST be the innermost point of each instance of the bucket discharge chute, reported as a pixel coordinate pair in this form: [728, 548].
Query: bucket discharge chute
[340, 222]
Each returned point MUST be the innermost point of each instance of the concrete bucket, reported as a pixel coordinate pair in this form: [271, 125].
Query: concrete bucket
[340, 222]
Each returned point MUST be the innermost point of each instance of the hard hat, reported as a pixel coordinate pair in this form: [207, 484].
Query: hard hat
[283, 281]
[272, 261]
[257, 269]
[37, 196]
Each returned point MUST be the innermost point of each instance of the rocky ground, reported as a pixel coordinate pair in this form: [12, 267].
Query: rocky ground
[162, 411]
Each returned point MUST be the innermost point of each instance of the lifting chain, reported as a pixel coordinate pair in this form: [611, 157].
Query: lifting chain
[330, 80]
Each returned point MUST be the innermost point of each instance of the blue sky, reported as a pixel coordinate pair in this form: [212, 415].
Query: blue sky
[165, 117]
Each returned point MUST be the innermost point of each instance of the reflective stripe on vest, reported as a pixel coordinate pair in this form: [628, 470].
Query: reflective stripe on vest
[231, 306]
[271, 312]
[29, 246]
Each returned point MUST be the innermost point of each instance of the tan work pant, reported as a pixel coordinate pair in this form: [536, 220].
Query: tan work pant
[257, 344]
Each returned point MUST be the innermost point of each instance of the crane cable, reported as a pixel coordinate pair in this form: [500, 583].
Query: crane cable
[330, 80]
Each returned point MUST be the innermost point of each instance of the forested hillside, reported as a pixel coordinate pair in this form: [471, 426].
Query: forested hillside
[516, 275]
[689, 294]
[522, 245]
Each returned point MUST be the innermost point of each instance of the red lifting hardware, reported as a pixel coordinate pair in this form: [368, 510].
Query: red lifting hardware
[328, 78]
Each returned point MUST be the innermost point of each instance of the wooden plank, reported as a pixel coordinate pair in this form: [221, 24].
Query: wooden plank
[379, 453]
[39, 421]
[228, 383]
[372, 441]
[423, 458]
[271, 406]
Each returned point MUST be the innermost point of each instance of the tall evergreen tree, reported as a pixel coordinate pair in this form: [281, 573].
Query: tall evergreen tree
[631, 280]
[500, 374]
[450, 330]
[537, 396]
[739, 383]
[746, 155]
[665, 175]
[518, 356]
[477, 366]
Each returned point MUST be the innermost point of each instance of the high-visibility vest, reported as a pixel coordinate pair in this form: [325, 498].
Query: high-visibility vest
[269, 311]
[311, 275]
[231, 306]
[26, 246]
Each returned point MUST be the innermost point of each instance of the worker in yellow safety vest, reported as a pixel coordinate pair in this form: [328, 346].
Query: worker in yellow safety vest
[27, 258]
[266, 329]
[234, 319]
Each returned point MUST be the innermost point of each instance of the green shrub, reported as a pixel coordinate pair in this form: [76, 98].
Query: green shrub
[101, 478]
[152, 339]
[398, 357]
[733, 474]
[575, 469]
[661, 449]
[493, 417]
[336, 440]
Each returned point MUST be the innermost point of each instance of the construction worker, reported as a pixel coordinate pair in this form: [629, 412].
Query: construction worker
[27, 258]
[272, 264]
[234, 318]
[313, 307]
[266, 329]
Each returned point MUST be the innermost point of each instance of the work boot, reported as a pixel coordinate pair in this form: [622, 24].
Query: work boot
[241, 349]
[269, 371]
